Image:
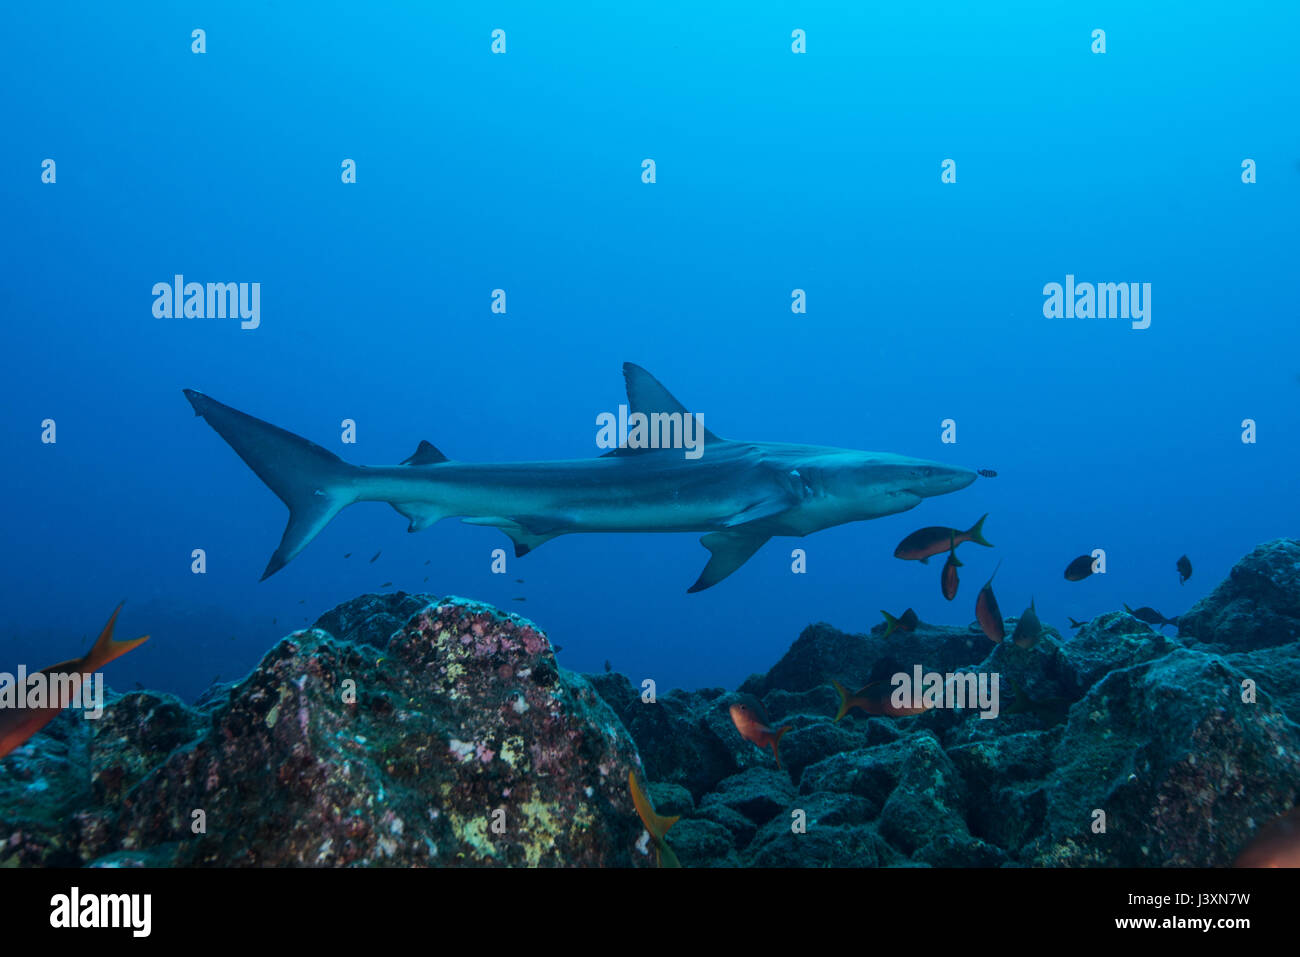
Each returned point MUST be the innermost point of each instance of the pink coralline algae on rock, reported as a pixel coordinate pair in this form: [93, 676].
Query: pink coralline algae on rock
[434, 750]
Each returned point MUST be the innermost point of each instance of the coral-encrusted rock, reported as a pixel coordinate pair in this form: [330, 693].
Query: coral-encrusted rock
[684, 737]
[371, 619]
[834, 835]
[1111, 641]
[135, 732]
[1256, 606]
[822, 653]
[759, 794]
[1180, 765]
[43, 787]
[463, 744]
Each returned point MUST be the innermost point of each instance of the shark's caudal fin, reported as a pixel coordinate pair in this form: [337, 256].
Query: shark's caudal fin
[311, 480]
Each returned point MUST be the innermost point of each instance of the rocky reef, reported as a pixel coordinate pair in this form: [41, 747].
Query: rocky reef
[412, 730]
[417, 732]
[1138, 750]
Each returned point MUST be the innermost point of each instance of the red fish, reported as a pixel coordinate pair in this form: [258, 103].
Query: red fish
[987, 612]
[923, 543]
[948, 579]
[752, 728]
[907, 622]
[873, 699]
[656, 825]
[19, 724]
[1276, 845]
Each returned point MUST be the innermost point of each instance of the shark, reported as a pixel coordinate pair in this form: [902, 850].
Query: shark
[740, 494]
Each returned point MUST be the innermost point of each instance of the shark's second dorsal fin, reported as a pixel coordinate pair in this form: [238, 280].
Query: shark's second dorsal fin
[646, 394]
[425, 454]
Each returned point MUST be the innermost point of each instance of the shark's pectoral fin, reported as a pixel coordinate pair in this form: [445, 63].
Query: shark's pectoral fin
[730, 551]
[525, 539]
[774, 504]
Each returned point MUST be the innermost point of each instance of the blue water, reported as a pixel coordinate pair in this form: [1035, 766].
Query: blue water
[522, 171]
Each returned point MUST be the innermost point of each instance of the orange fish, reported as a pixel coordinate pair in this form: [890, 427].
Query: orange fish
[923, 543]
[19, 724]
[873, 699]
[987, 612]
[655, 825]
[948, 581]
[752, 728]
[1276, 845]
[907, 622]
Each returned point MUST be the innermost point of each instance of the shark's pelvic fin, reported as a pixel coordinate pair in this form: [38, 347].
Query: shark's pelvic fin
[774, 504]
[730, 551]
[525, 539]
[311, 480]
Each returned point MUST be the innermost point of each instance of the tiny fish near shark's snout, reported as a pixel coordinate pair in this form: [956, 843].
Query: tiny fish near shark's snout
[739, 493]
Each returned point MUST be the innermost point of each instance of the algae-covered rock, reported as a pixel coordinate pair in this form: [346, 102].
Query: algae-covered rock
[458, 742]
[409, 731]
[463, 743]
[1177, 762]
[1256, 606]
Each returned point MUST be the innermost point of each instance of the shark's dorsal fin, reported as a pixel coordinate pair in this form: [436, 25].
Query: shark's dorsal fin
[646, 394]
[425, 454]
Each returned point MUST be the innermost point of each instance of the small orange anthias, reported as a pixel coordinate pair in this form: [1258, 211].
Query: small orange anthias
[753, 728]
[656, 825]
[987, 612]
[948, 580]
[19, 724]
[875, 698]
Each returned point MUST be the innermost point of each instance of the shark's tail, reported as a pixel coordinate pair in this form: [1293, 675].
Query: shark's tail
[312, 481]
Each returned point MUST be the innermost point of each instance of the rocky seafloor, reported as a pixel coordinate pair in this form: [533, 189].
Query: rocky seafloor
[415, 730]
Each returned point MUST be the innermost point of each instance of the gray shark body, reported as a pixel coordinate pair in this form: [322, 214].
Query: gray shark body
[739, 493]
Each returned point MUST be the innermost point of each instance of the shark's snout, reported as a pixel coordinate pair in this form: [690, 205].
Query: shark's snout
[933, 478]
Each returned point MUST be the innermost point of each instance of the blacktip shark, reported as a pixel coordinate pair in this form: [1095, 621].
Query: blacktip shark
[739, 493]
